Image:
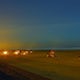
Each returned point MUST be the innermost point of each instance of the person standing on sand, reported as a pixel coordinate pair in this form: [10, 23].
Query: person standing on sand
[51, 54]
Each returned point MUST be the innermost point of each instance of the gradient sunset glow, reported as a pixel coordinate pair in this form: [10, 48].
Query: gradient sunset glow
[39, 24]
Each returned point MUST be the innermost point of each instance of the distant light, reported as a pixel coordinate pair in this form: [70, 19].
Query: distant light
[30, 51]
[5, 52]
[16, 52]
[24, 53]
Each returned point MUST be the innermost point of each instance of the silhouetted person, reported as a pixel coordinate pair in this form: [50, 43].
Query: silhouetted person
[51, 54]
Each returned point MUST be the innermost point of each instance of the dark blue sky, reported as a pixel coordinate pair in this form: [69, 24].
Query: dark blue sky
[40, 23]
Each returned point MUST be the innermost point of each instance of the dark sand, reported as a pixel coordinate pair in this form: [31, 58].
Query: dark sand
[8, 72]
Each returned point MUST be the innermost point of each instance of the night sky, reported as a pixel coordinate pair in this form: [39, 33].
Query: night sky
[31, 24]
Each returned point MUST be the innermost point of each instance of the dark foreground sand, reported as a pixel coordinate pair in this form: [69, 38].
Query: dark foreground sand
[8, 72]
